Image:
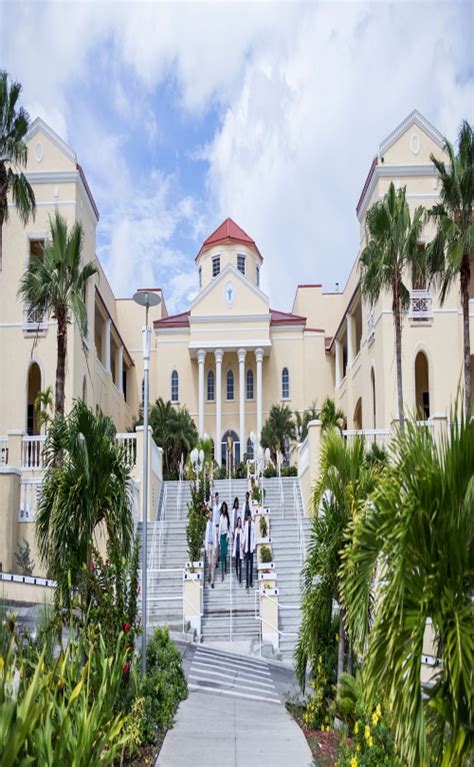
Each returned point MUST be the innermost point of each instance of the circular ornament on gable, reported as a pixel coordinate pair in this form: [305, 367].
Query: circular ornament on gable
[229, 292]
[415, 143]
[39, 151]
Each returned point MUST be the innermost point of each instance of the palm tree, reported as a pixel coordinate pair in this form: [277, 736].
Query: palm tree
[90, 484]
[417, 538]
[14, 124]
[55, 282]
[452, 250]
[174, 431]
[330, 416]
[277, 430]
[345, 482]
[391, 251]
[303, 419]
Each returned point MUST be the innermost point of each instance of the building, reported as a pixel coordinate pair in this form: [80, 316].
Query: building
[231, 355]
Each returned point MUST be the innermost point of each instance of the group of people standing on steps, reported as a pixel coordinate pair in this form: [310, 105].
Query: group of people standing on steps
[234, 532]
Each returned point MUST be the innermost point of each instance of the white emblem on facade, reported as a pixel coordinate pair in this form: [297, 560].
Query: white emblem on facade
[39, 151]
[415, 143]
[229, 293]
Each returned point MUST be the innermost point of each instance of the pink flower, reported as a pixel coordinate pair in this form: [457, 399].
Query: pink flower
[126, 667]
[127, 628]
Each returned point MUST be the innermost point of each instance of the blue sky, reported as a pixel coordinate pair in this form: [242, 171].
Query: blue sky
[182, 114]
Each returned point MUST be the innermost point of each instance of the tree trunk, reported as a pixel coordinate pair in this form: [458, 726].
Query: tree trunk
[398, 351]
[349, 658]
[61, 362]
[3, 206]
[341, 649]
[465, 280]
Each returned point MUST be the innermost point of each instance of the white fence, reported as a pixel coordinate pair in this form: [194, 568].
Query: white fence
[129, 442]
[29, 494]
[32, 452]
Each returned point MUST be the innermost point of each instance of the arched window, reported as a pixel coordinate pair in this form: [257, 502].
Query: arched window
[250, 455]
[230, 385]
[374, 401]
[250, 383]
[285, 384]
[210, 386]
[422, 387]
[358, 414]
[174, 386]
[33, 425]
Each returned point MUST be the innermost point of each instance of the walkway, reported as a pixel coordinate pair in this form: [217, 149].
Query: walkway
[233, 716]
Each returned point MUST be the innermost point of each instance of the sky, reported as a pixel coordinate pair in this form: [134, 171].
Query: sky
[182, 114]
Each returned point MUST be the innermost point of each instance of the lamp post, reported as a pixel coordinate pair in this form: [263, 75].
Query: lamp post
[145, 298]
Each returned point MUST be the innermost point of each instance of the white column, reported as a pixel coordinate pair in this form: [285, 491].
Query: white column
[350, 326]
[259, 360]
[107, 345]
[201, 357]
[338, 345]
[218, 354]
[243, 441]
[119, 368]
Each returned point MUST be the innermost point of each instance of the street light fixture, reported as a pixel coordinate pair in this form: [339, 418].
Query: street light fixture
[145, 298]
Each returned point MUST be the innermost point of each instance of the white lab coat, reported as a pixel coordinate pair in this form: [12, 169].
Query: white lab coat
[213, 537]
[253, 537]
[216, 512]
[240, 553]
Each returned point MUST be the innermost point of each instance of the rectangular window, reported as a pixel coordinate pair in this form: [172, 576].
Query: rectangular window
[216, 265]
[258, 276]
[34, 317]
[241, 263]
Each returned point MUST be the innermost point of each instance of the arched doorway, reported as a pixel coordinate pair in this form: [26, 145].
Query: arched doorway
[422, 387]
[33, 425]
[230, 450]
[358, 414]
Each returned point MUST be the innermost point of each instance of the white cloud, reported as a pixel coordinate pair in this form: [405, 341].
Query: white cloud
[304, 94]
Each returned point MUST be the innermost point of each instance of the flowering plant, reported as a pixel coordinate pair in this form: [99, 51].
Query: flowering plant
[371, 743]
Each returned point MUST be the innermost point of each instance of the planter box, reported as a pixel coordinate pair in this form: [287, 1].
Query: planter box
[269, 615]
[268, 592]
[265, 566]
[264, 576]
[194, 565]
[264, 541]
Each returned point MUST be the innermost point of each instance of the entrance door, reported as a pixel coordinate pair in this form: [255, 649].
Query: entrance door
[230, 450]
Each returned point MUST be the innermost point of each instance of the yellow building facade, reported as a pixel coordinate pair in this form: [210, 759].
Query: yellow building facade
[231, 355]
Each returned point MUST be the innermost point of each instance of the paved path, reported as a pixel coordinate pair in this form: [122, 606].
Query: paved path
[233, 716]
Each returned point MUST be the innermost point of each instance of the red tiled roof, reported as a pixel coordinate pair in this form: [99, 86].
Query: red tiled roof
[228, 231]
[285, 318]
[174, 321]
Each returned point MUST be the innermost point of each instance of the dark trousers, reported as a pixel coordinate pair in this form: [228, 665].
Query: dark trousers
[249, 568]
[238, 568]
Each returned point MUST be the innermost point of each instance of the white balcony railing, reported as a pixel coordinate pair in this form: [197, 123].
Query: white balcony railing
[129, 441]
[421, 305]
[29, 494]
[380, 436]
[370, 326]
[33, 320]
[32, 452]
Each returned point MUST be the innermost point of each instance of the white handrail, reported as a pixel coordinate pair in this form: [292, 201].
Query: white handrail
[162, 514]
[180, 488]
[299, 519]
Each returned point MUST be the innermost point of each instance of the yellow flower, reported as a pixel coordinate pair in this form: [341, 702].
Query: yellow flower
[375, 718]
[370, 741]
[356, 728]
[378, 710]
[358, 747]
[354, 761]
[366, 732]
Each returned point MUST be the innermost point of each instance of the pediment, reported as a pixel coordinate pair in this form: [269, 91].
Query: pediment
[47, 150]
[230, 294]
[412, 142]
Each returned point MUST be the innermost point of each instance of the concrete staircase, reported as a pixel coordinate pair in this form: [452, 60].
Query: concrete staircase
[229, 608]
[224, 619]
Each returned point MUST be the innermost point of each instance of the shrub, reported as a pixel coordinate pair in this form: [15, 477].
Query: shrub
[371, 744]
[266, 554]
[263, 526]
[197, 518]
[289, 471]
[64, 712]
[317, 713]
[270, 471]
[23, 558]
[164, 684]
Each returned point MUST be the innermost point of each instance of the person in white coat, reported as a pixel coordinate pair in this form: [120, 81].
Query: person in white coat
[250, 542]
[238, 548]
[210, 546]
[216, 515]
